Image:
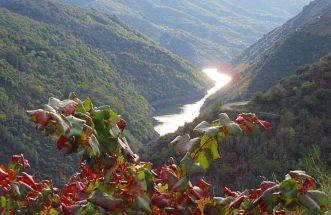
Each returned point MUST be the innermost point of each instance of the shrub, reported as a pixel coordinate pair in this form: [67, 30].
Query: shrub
[112, 179]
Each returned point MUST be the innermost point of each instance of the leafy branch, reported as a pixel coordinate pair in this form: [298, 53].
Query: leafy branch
[112, 179]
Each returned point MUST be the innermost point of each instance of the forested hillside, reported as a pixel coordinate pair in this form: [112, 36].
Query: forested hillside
[203, 32]
[302, 40]
[47, 49]
[259, 49]
[299, 111]
[304, 46]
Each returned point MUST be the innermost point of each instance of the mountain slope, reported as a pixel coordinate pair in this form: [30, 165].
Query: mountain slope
[279, 54]
[302, 47]
[299, 111]
[47, 49]
[259, 49]
[124, 45]
[203, 32]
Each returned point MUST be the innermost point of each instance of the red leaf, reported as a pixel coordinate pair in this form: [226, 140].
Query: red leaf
[81, 196]
[28, 179]
[263, 208]
[255, 193]
[306, 186]
[265, 124]
[39, 116]
[121, 124]
[196, 192]
[237, 202]
[267, 184]
[3, 191]
[2, 210]
[240, 119]
[66, 201]
[203, 185]
[3, 174]
[228, 192]
[162, 200]
[68, 189]
[87, 171]
[19, 159]
[42, 117]
[62, 142]
[173, 167]
[69, 107]
[80, 186]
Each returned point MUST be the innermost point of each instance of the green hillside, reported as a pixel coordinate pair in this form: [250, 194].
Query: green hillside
[299, 110]
[259, 49]
[302, 47]
[302, 40]
[47, 49]
[203, 32]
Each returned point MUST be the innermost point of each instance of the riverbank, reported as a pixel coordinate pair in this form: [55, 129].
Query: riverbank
[158, 103]
[169, 119]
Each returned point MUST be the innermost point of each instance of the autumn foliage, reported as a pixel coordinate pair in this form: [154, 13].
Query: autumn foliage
[113, 180]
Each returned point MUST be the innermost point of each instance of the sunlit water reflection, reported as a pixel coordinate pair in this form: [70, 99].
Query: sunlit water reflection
[170, 122]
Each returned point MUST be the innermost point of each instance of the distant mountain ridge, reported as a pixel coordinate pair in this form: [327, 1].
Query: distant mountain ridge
[310, 12]
[203, 32]
[305, 45]
[302, 40]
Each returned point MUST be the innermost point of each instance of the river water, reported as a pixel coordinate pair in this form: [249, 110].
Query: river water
[169, 119]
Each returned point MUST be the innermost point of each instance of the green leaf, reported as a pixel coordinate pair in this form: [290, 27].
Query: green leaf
[80, 108]
[88, 104]
[180, 144]
[213, 131]
[319, 197]
[204, 159]
[181, 185]
[140, 177]
[308, 202]
[233, 128]
[223, 201]
[193, 144]
[149, 180]
[289, 188]
[3, 201]
[189, 167]
[207, 152]
[49, 108]
[289, 191]
[202, 127]
[76, 125]
[63, 125]
[127, 151]
[105, 119]
[109, 114]
[103, 200]
[94, 146]
[115, 131]
[54, 102]
[144, 204]
[224, 118]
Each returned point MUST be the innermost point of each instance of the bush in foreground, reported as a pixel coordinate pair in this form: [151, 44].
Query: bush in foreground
[112, 179]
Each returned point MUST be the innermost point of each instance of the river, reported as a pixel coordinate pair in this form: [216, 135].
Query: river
[169, 119]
